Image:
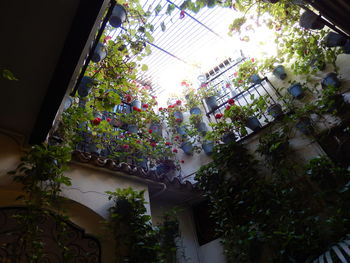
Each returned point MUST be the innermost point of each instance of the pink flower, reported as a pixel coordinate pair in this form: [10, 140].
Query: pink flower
[183, 83]
[96, 121]
[253, 60]
[218, 116]
[235, 74]
[125, 146]
[167, 143]
[107, 38]
[231, 101]
[150, 131]
[228, 85]
[178, 102]
[145, 106]
[182, 14]
[109, 119]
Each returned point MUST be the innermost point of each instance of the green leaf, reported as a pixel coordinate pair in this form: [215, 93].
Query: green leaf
[144, 67]
[8, 75]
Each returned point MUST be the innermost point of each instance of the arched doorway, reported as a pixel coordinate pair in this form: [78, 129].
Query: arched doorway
[61, 240]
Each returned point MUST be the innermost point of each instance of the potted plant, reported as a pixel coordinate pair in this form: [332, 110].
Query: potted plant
[310, 20]
[275, 110]
[99, 53]
[280, 72]
[118, 16]
[296, 90]
[334, 40]
[208, 147]
[246, 74]
[85, 86]
[331, 80]
[209, 94]
[187, 147]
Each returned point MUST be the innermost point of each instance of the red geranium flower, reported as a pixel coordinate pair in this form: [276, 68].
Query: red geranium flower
[107, 38]
[167, 143]
[174, 150]
[138, 141]
[108, 119]
[253, 60]
[178, 120]
[145, 106]
[160, 109]
[96, 121]
[228, 107]
[153, 144]
[231, 101]
[128, 98]
[150, 131]
[177, 137]
[228, 85]
[218, 115]
[135, 108]
[183, 83]
[171, 106]
[182, 161]
[178, 102]
[125, 146]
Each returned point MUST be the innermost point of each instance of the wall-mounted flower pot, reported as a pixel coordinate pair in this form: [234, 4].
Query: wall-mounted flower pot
[156, 128]
[331, 80]
[165, 167]
[178, 116]
[275, 110]
[99, 53]
[334, 40]
[68, 102]
[211, 102]
[85, 86]
[118, 16]
[133, 128]
[310, 20]
[137, 104]
[228, 138]
[181, 130]
[187, 148]
[280, 72]
[202, 128]
[253, 123]
[304, 126]
[208, 147]
[271, 1]
[346, 47]
[195, 111]
[255, 79]
[296, 90]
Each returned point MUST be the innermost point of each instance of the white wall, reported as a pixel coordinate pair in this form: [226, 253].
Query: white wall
[212, 252]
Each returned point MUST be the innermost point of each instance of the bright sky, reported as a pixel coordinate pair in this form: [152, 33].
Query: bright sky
[200, 48]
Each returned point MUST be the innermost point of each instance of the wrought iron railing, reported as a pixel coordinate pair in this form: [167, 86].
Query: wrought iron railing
[264, 89]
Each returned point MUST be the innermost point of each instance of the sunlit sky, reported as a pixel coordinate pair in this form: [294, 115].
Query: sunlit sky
[199, 48]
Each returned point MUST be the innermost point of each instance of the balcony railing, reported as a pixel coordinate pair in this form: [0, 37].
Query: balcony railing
[264, 90]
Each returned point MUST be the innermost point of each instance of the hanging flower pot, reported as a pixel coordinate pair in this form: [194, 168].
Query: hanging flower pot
[228, 138]
[255, 79]
[137, 104]
[334, 40]
[253, 123]
[271, 1]
[179, 117]
[331, 80]
[181, 130]
[68, 102]
[85, 86]
[195, 111]
[208, 147]
[187, 148]
[133, 128]
[304, 126]
[99, 53]
[118, 16]
[310, 20]
[346, 47]
[165, 167]
[156, 128]
[279, 72]
[211, 102]
[296, 90]
[275, 110]
[202, 128]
